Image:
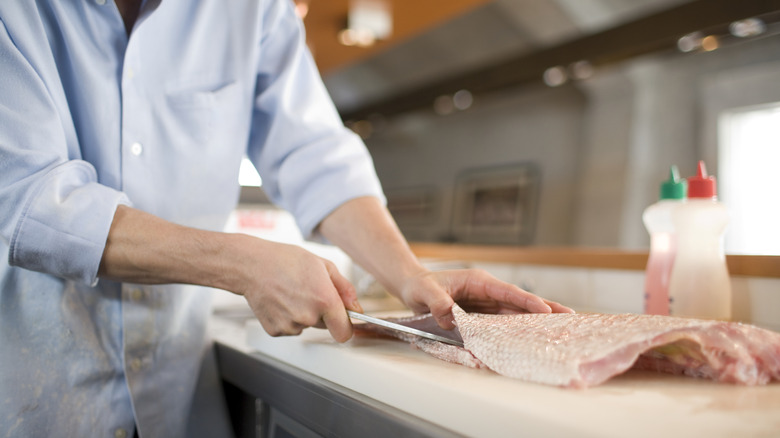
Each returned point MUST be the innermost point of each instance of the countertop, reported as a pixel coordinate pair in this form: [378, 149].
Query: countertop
[580, 257]
[481, 403]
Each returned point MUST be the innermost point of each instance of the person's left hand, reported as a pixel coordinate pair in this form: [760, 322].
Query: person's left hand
[474, 290]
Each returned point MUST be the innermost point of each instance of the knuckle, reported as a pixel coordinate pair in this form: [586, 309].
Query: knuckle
[329, 264]
[291, 329]
[479, 274]
[320, 304]
[275, 332]
[308, 320]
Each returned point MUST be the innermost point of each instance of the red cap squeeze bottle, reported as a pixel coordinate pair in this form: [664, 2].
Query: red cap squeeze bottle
[700, 286]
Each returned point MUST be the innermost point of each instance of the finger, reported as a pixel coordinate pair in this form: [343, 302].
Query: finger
[441, 309]
[475, 285]
[559, 308]
[508, 293]
[344, 288]
[277, 329]
[338, 324]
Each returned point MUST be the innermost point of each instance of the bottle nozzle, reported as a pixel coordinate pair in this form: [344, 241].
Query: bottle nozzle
[702, 171]
[674, 174]
[674, 187]
[702, 185]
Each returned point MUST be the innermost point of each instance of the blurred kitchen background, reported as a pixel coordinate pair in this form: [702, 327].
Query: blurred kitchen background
[551, 122]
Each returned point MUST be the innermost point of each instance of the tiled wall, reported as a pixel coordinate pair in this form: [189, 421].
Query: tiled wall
[755, 300]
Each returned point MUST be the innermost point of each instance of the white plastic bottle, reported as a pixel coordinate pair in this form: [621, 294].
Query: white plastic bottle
[663, 243]
[700, 285]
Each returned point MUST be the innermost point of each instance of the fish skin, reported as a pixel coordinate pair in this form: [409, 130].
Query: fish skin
[586, 349]
[447, 352]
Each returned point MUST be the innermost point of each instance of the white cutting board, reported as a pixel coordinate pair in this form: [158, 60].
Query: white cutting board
[481, 403]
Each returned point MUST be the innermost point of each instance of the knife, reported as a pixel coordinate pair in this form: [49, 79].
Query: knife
[403, 328]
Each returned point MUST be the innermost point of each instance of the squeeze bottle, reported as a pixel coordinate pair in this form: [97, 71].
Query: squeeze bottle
[700, 286]
[663, 243]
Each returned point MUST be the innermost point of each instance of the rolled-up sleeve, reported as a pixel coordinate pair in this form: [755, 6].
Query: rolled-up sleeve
[63, 225]
[310, 163]
[55, 216]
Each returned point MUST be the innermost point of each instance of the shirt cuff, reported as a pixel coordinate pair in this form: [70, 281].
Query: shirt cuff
[64, 224]
[341, 176]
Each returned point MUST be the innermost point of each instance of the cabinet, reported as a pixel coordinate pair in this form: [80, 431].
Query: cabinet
[269, 399]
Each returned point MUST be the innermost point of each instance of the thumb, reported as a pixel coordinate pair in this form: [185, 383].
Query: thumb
[344, 288]
[441, 309]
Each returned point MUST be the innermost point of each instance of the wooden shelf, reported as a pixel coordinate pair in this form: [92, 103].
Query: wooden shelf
[603, 258]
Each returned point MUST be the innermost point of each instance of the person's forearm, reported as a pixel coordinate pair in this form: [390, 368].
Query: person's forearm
[364, 229]
[143, 248]
[287, 287]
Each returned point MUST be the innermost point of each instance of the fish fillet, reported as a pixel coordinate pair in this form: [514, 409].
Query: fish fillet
[582, 350]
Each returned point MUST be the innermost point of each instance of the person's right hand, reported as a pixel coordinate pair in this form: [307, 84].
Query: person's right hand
[289, 288]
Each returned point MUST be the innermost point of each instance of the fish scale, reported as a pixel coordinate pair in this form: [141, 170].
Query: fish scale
[586, 349]
[580, 350]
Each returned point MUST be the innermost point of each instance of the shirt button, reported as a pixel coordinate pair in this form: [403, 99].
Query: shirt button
[135, 365]
[129, 73]
[136, 294]
[101, 3]
[136, 149]
[119, 433]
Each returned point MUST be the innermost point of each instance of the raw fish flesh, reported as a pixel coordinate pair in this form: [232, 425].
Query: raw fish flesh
[586, 349]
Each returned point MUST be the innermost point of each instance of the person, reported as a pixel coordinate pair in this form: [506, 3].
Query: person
[122, 126]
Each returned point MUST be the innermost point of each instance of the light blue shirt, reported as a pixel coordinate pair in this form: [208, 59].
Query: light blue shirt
[90, 119]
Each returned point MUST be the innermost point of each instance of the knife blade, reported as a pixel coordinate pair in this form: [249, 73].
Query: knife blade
[402, 328]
